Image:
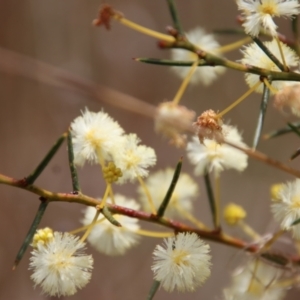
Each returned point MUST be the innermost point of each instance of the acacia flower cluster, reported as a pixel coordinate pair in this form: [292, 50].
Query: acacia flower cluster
[172, 121]
[108, 238]
[255, 56]
[98, 138]
[182, 198]
[60, 266]
[59, 263]
[286, 207]
[215, 157]
[288, 97]
[183, 263]
[256, 281]
[207, 42]
[259, 14]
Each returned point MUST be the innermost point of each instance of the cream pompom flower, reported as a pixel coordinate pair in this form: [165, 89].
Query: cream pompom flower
[286, 207]
[255, 56]
[256, 281]
[207, 42]
[288, 97]
[183, 263]
[60, 266]
[260, 13]
[134, 159]
[172, 121]
[216, 157]
[95, 136]
[158, 184]
[108, 238]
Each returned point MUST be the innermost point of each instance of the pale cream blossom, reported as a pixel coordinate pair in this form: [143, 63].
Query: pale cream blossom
[255, 56]
[207, 42]
[256, 281]
[134, 159]
[60, 266]
[183, 263]
[215, 157]
[259, 14]
[183, 195]
[289, 97]
[172, 121]
[286, 207]
[108, 238]
[95, 136]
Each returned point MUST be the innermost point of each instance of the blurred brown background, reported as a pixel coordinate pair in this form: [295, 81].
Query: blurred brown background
[33, 115]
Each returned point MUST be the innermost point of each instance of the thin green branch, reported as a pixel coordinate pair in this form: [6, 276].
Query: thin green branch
[295, 154]
[107, 214]
[263, 47]
[175, 18]
[31, 232]
[233, 31]
[211, 198]
[294, 128]
[214, 60]
[153, 289]
[281, 131]
[40, 168]
[261, 116]
[74, 176]
[168, 62]
[165, 202]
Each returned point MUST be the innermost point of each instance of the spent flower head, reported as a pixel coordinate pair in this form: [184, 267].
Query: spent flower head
[216, 157]
[108, 238]
[286, 207]
[259, 14]
[183, 263]
[172, 120]
[207, 42]
[158, 184]
[95, 136]
[209, 126]
[134, 159]
[255, 56]
[60, 266]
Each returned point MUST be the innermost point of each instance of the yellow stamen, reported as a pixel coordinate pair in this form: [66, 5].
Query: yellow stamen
[106, 193]
[238, 101]
[90, 227]
[269, 86]
[234, 45]
[190, 217]
[185, 82]
[249, 230]
[143, 185]
[100, 158]
[281, 54]
[112, 196]
[147, 31]
[83, 228]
